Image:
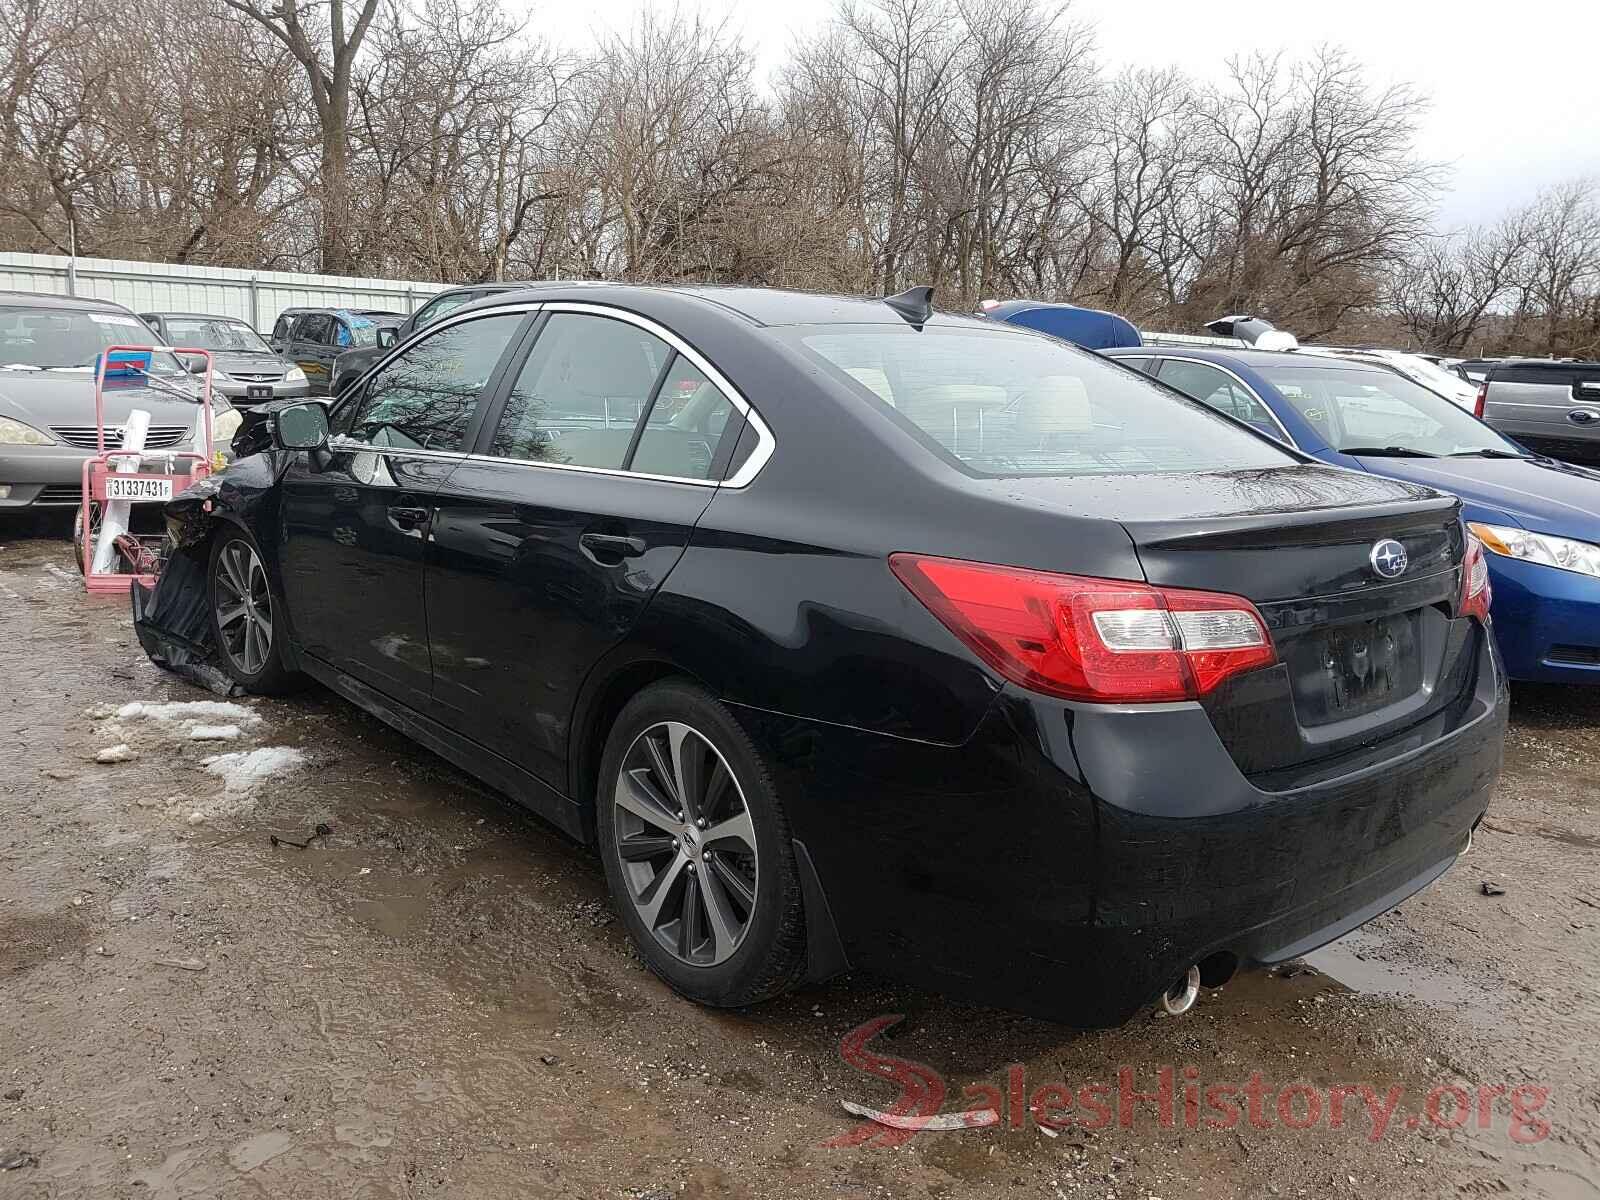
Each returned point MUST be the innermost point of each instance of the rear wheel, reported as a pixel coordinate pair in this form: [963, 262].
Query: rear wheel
[697, 850]
[245, 618]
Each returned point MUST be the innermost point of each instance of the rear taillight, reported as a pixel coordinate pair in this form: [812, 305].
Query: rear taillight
[1091, 639]
[1475, 591]
[1482, 400]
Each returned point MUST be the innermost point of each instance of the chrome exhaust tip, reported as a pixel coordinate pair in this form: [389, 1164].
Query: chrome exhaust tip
[1180, 997]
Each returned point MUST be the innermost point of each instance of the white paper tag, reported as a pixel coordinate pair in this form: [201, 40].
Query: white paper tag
[100, 318]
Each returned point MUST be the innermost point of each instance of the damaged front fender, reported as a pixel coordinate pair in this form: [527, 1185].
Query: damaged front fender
[240, 494]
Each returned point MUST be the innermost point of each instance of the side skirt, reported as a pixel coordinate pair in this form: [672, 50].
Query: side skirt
[523, 787]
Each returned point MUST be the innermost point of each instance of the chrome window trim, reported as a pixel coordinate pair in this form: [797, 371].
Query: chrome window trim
[1250, 391]
[616, 471]
[340, 444]
[765, 442]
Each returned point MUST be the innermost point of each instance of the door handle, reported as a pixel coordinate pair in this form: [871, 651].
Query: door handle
[609, 549]
[1583, 416]
[408, 521]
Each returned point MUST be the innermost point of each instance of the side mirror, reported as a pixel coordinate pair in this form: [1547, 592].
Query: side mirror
[388, 337]
[301, 426]
[195, 364]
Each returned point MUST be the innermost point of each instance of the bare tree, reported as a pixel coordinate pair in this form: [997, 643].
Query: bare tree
[326, 43]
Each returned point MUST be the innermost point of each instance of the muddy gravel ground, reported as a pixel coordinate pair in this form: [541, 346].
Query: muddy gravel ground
[435, 1000]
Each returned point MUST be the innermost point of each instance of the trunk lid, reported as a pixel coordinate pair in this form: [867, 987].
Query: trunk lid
[1359, 598]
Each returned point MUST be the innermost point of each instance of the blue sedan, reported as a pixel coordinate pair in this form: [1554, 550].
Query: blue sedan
[1538, 518]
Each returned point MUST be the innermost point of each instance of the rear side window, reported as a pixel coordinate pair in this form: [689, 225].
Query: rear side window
[313, 327]
[425, 398]
[581, 393]
[1010, 403]
[1218, 390]
[685, 427]
[280, 328]
[1561, 375]
[434, 309]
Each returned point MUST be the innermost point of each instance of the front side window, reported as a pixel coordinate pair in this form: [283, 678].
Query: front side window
[59, 339]
[579, 396]
[1218, 390]
[425, 398]
[214, 333]
[1375, 411]
[1011, 403]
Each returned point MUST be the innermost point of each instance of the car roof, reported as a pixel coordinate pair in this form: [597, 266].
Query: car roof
[196, 316]
[758, 305]
[55, 300]
[1548, 364]
[1256, 359]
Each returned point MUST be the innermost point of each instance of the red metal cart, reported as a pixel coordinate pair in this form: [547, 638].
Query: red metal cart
[116, 474]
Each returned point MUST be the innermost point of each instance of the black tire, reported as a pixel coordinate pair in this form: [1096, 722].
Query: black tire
[255, 668]
[83, 544]
[770, 952]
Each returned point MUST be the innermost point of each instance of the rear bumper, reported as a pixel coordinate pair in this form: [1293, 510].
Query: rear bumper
[1070, 861]
[1547, 622]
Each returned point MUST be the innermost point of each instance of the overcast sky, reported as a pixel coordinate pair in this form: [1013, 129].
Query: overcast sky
[1515, 88]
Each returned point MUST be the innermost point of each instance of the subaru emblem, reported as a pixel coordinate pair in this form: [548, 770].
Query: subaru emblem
[1389, 559]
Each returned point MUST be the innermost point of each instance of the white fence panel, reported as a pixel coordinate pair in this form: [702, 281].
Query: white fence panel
[255, 296]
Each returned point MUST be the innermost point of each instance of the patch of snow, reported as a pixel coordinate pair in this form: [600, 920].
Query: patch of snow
[245, 771]
[188, 710]
[213, 733]
[120, 753]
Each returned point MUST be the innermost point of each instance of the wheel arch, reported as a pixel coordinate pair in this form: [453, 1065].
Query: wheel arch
[614, 681]
[611, 684]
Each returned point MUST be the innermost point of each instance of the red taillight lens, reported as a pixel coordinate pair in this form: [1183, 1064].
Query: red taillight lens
[1483, 399]
[1090, 639]
[1475, 590]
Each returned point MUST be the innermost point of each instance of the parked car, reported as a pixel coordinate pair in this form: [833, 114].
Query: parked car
[1414, 367]
[1087, 327]
[892, 639]
[1539, 518]
[1474, 370]
[245, 369]
[1547, 405]
[49, 346]
[313, 338]
[350, 365]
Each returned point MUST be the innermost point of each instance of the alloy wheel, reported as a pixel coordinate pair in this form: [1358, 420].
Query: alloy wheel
[243, 607]
[687, 844]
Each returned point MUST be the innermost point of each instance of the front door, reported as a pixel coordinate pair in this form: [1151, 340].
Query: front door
[356, 522]
[547, 547]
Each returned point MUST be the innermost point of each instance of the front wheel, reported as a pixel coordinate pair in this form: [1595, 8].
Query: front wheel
[246, 620]
[697, 850]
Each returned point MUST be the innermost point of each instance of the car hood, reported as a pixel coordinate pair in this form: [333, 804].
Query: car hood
[1540, 494]
[249, 361]
[49, 398]
[1179, 495]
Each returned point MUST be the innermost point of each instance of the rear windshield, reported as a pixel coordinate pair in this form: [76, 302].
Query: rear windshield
[1011, 403]
[214, 333]
[1376, 410]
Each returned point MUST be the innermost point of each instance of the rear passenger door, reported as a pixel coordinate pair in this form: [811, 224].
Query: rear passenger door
[593, 467]
[308, 345]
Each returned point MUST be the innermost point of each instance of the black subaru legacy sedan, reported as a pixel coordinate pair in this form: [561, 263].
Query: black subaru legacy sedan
[853, 635]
